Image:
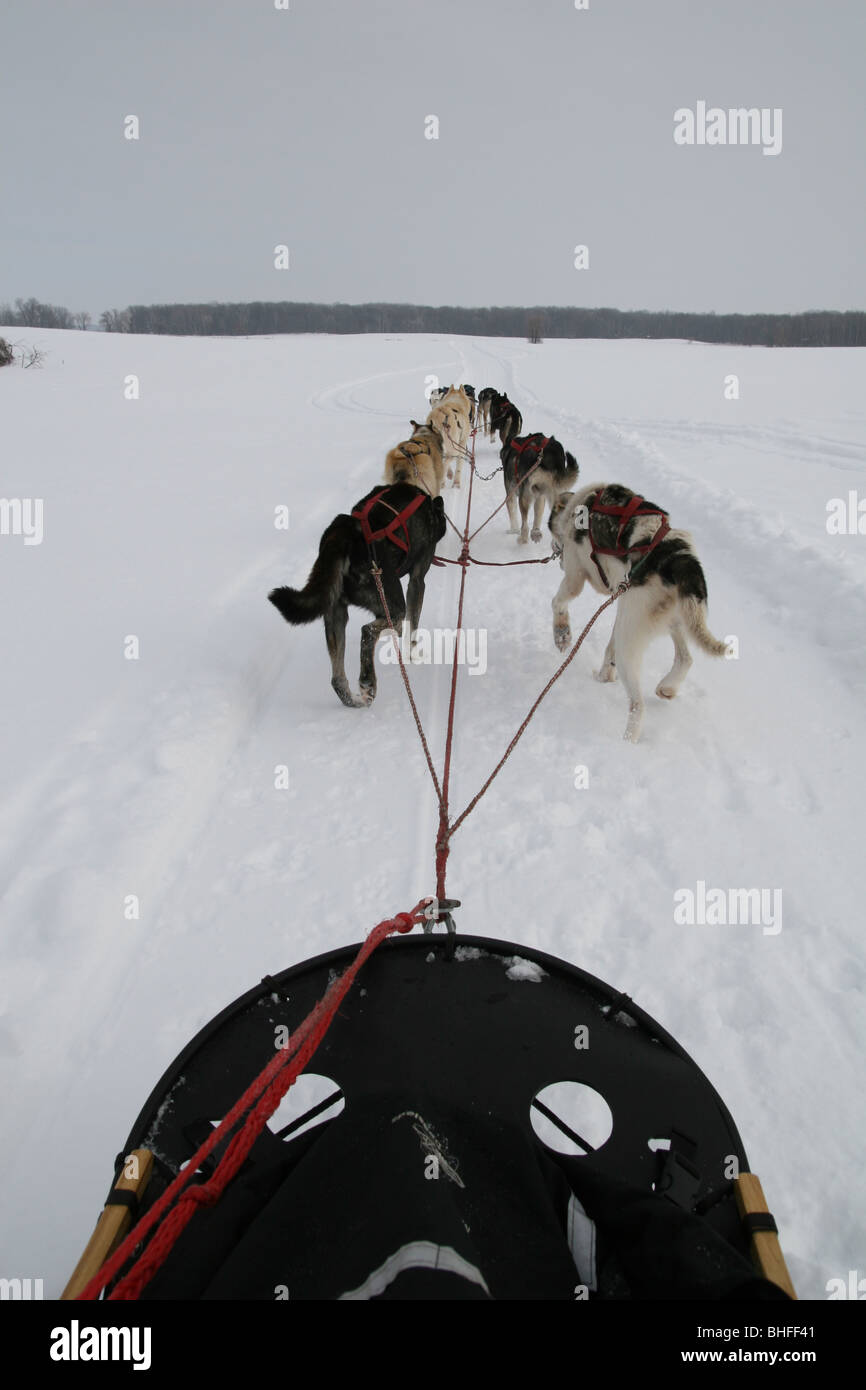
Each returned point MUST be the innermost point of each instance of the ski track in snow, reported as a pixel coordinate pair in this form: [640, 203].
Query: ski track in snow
[751, 776]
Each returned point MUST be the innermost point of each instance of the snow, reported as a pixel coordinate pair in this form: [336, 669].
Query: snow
[519, 969]
[154, 780]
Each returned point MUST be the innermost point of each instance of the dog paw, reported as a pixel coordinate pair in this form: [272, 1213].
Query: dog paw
[633, 725]
[562, 638]
[666, 692]
[536, 535]
[522, 539]
[366, 696]
[342, 690]
[607, 673]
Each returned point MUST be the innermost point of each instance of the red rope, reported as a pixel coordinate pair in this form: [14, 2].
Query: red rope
[443, 834]
[555, 677]
[445, 831]
[497, 564]
[264, 1094]
[377, 576]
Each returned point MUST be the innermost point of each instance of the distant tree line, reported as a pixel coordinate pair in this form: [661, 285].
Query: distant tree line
[29, 313]
[815, 329]
[820, 328]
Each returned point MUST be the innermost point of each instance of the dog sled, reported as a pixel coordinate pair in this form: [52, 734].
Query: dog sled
[490, 1123]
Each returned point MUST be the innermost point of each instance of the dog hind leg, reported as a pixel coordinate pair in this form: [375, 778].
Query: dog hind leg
[371, 632]
[668, 687]
[414, 602]
[631, 634]
[335, 636]
[537, 515]
[523, 499]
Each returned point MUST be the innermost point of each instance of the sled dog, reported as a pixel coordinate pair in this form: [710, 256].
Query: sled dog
[486, 396]
[506, 418]
[403, 525]
[418, 460]
[451, 419]
[607, 534]
[535, 470]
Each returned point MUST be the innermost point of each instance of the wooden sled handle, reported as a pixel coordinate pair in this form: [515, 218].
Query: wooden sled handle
[113, 1224]
[765, 1248]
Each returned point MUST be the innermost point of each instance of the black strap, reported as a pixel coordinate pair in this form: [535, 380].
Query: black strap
[122, 1197]
[680, 1178]
[755, 1221]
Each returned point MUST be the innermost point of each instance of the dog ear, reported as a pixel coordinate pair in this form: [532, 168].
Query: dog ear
[414, 424]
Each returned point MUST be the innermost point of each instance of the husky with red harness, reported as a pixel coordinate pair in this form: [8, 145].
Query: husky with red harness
[395, 527]
[610, 535]
[535, 469]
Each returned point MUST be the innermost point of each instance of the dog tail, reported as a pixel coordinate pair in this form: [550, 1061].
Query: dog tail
[572, 468]
[695, 613]
[325, 583]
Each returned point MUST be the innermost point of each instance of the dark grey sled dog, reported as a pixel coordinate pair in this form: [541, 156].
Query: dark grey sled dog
[342, 576]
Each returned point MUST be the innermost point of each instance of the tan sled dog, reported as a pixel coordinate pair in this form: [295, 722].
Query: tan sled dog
[451, 418]
[418, 460]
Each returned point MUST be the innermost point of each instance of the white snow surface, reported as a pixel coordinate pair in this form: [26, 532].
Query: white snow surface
[155, 776]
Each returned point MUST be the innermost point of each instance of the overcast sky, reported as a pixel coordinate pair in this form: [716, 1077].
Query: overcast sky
[306, 127]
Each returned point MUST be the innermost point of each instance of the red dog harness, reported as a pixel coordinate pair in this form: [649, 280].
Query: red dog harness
[389, 532]
[535, 445]
[638, 506]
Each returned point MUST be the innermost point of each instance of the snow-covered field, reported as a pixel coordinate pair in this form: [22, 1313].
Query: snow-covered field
[154, 776]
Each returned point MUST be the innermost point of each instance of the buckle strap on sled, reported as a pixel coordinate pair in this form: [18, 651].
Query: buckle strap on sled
[679, 1177]
[637, 506]
[389, 532]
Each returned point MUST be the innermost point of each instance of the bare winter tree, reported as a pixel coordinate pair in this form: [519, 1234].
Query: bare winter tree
[82, 320]
[115, 320]
[534, 328]
[30, 313]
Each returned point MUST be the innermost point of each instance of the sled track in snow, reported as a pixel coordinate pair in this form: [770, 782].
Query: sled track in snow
[343, 397]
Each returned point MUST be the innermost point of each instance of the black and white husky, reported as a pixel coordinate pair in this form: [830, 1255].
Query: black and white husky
[505, 418]
[668, 590]
[342, 575]
[535, 469]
